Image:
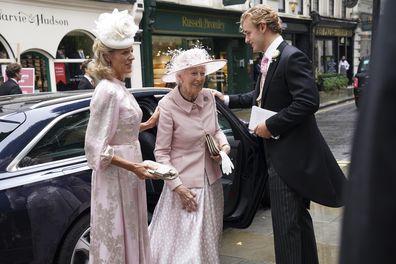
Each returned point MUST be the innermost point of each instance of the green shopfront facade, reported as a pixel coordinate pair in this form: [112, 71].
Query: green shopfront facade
[168, 27]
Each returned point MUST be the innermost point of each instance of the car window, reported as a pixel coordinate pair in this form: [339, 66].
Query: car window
[225, 125]
[9, 124]
[64, 140]
[364, 65]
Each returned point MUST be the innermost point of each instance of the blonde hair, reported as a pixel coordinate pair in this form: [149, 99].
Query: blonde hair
[263, 14]
[102, 65]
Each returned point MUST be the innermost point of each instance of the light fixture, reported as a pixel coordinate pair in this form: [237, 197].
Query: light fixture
[293, 6]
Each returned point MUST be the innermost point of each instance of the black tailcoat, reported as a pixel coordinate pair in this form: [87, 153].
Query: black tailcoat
[300, 156]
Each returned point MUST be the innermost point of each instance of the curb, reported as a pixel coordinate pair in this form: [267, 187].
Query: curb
[335, 102]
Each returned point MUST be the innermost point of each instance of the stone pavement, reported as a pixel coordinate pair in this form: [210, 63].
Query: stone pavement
[254, 245]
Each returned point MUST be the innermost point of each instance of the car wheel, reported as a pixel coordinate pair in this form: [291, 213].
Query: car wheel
[75, 247]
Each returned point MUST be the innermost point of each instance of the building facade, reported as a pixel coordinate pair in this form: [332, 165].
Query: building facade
[55, 37]
[323, 29]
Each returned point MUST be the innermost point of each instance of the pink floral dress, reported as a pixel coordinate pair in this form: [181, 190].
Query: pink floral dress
[118, 198]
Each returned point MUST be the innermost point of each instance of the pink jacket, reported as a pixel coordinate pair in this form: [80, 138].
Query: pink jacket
[180, 138]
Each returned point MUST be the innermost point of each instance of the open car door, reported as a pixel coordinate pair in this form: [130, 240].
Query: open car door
[244, 188]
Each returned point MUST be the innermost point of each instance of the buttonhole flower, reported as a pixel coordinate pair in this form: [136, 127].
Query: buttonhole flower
[275, 55]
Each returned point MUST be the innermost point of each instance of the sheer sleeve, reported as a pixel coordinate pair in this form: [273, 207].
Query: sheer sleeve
[102, 125]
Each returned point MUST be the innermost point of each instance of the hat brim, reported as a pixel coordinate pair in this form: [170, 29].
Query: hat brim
[210, 67]
[118, 44]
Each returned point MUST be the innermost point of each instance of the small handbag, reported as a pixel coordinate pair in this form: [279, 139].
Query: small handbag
[212, 146]
[164, 172]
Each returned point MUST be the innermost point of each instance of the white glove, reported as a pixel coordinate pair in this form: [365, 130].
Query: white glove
[226, 163]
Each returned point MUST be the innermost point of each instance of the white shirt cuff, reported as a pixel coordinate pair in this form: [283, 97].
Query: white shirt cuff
[226, 100]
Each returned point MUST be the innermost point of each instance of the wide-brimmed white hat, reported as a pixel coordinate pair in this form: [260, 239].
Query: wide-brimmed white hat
[116, 30]
[191, 58]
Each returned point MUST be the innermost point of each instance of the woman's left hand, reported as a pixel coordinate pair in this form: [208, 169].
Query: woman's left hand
[216, 158]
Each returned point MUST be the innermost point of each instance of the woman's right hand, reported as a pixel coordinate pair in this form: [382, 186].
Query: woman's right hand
[141, 171]
[187, 198]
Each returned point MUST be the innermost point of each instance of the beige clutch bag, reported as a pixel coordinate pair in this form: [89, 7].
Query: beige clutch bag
[165, 172]
[212, 146]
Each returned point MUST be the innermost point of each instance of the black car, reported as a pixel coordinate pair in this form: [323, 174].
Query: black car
[360, 81]
[45, 183]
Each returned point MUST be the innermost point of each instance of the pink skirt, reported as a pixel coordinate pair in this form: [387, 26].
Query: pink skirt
[177, 236]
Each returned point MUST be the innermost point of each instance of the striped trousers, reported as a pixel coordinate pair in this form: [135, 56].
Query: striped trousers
[294, 237]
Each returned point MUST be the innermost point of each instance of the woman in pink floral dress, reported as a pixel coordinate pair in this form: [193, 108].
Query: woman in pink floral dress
[118, 200]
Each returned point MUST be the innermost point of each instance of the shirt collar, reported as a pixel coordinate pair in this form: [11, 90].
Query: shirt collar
[184, 104]
[88, 77]
[271, 49]
[14, 80]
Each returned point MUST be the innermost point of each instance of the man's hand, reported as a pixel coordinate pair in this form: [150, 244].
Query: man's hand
[218, 94]
[262, 131]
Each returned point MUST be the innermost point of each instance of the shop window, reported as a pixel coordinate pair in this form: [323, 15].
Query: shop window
[75, 45]
[74, 48]
[3, 52]
[4, 60]
[300, 6]
[325, 60]
[315, 5]
[331, 8]
[281, 6]
[39, 63]
[162, 45]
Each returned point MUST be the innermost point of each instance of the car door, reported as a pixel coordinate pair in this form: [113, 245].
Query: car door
[244, 188]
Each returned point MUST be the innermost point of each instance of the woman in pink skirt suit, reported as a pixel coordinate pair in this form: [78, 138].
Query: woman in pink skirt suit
[188, 219]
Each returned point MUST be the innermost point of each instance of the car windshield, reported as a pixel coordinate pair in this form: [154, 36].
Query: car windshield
[9, 123]
[364, 65]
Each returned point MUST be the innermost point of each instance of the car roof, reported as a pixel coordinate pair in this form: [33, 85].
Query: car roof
[24, 102]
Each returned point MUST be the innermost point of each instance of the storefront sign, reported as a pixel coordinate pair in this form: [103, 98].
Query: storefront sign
[36, 19]
[333, 32]
[203, 23]
[26, 83]
[167, 21]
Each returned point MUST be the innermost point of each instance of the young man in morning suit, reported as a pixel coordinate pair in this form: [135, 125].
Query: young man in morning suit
[301, 167]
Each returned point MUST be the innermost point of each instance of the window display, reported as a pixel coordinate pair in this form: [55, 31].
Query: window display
[162, 52]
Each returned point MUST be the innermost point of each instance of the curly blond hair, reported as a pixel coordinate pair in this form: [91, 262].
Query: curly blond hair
[102, 69]
[263, 14]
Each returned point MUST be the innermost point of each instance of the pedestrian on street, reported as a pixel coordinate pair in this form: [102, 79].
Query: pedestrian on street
[343, 66]
[301, 167]
[87, 81]
[11, 86]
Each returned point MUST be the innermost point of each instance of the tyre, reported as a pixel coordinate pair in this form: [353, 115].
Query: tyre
[75, 247]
